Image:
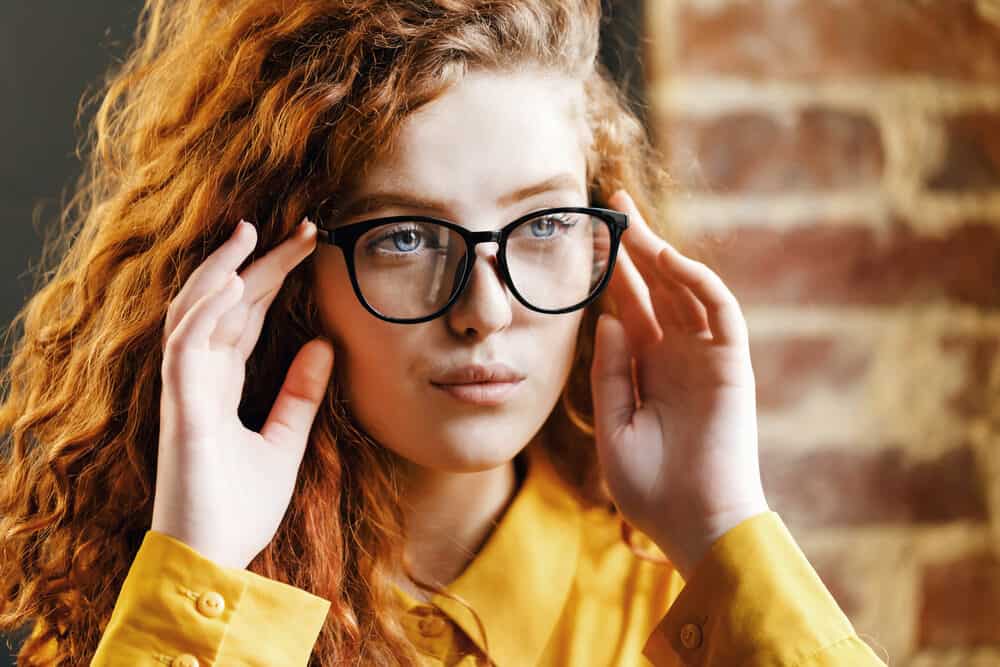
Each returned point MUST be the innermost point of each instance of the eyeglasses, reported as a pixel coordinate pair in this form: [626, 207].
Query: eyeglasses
[411, 268]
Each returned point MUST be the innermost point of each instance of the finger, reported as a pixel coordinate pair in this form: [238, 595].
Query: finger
[649, 252]
[675, 311]
[241, 326]
[196, 328]
[212, 273]
[725, 319]
[641, 241]
[679, 307]
[268, 272]
[259, 278]
[611, 379]
[635, 308]
[291, 417]
[231, 325]
[667, 311]
[255, 323]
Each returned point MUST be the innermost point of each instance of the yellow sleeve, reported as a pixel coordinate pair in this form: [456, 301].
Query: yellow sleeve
[755, 600]
[178, 608]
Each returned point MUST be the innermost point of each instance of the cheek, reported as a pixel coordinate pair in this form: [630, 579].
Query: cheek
[555, 347]
[367, 349]
[340, 311]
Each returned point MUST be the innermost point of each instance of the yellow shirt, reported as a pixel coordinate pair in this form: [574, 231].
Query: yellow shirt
[553, 585]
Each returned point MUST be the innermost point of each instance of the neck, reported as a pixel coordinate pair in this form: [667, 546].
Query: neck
[449, 517]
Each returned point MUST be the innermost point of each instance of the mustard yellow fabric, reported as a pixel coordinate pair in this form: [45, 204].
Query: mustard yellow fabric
[553, 585]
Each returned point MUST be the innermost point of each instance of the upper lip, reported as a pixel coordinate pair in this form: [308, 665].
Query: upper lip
[475, 373]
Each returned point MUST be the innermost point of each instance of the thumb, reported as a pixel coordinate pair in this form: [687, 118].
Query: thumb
[611, 379]
[294, 410]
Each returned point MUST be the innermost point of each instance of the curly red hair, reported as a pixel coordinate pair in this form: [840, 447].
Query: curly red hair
[260, 109]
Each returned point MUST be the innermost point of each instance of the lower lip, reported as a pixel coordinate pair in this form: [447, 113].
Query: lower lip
[482, 393]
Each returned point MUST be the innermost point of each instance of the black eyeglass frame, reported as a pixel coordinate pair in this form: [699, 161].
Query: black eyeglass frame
[346, 237]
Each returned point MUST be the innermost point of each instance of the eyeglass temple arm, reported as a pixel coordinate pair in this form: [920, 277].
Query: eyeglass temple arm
[326, 235]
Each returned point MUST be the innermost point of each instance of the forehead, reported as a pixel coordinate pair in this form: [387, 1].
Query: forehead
[490, 134]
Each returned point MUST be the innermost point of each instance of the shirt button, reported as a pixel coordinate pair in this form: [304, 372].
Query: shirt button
[691, 635]
[432, 626]
[184, 660]
[211, 604]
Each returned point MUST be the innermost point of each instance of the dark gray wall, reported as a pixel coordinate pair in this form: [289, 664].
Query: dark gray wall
[50, 54]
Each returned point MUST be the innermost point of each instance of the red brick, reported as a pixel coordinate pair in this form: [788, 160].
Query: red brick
[786, 369]
[960, 602]
[842, 581]
[854, 487]
[972, 155]
[803, 39]
[974, 398]
[755, 152]
[854, 264]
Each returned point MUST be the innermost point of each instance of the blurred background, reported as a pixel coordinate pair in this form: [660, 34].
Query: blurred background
[50, 54]
[838, 163]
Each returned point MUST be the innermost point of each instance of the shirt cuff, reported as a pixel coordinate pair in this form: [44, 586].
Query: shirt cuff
[177, 607]
[754, 599]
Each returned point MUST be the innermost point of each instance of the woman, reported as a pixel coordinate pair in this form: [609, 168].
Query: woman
[384, 434]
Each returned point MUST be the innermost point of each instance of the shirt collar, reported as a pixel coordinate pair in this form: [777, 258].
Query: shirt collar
[520, 580]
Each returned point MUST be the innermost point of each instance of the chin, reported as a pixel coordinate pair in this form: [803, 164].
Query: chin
[467, 447]
[474, 455]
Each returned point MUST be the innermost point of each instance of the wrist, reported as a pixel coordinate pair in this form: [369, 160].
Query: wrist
[704, 532]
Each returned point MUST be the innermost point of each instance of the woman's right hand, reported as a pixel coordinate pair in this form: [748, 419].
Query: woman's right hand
[221, 488]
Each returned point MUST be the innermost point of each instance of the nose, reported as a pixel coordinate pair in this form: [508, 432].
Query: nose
[484, 306]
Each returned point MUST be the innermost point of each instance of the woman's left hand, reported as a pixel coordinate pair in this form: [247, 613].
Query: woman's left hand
[682, 464]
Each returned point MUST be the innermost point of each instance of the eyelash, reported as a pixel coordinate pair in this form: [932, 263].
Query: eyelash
[562, 219]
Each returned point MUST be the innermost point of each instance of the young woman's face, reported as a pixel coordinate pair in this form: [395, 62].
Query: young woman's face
[487, 137]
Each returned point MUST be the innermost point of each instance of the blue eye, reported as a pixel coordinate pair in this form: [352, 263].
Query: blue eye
[409, 234]
[406, 239]
[550, 226]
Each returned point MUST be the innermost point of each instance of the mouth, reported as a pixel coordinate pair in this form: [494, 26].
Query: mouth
[481, 393]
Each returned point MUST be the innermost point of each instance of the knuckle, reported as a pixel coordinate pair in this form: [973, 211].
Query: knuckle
[173, 346]
[174, 309]
[700, 267]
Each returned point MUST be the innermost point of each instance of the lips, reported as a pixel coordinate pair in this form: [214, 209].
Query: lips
[481, 393]
[481, 384]
[478, 374]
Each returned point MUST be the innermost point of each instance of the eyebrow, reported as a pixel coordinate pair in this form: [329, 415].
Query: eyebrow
[367, 203]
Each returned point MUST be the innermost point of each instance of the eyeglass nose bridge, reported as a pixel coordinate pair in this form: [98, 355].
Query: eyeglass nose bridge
[488, 236]
[473, 239]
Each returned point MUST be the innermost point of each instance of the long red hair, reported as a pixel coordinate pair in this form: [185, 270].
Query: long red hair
[260, 109]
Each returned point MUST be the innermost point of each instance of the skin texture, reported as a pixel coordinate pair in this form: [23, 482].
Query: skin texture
[682, 465]
[467, 149]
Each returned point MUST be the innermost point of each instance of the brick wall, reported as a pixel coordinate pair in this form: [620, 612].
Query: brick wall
[838, 163]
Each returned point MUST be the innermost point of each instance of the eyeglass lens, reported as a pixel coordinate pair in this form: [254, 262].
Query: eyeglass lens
[410, 269]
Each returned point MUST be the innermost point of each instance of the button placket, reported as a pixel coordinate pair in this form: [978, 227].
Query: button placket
[432, 626]
[691, 636]
[210, 604]
[429, 631]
